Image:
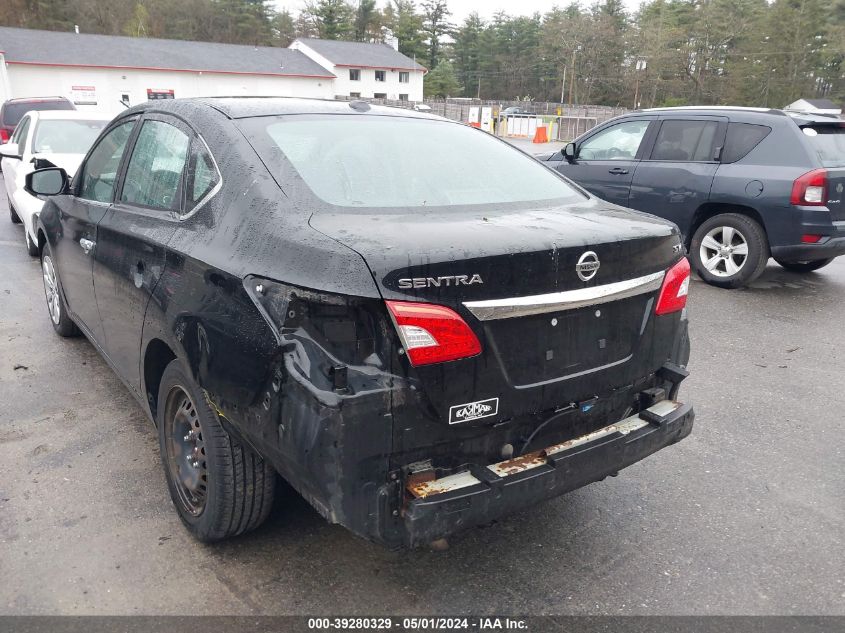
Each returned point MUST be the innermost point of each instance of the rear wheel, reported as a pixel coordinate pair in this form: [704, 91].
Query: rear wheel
[13, 214]
[729, 250]
[56, 306]
[805, 267]
[219, 486]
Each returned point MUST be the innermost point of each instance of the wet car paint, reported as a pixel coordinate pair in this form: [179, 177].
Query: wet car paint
[302, 361]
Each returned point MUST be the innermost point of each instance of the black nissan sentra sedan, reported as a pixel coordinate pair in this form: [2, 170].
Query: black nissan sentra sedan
[416, 325]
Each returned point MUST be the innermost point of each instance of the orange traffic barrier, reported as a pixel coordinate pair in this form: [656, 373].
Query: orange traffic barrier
[540, 135]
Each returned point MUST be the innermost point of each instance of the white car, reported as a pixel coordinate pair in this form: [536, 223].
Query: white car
[59, 138]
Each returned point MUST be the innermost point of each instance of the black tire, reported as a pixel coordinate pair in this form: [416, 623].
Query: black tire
[13, 214]
[55, 297]
[732, 269]
[228, 489]
[31, 248]
[805, 267]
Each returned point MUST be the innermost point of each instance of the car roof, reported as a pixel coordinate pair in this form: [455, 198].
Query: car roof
[69, 115]
[244, 107]
[35, 99]
[800, 117]
[712, 108]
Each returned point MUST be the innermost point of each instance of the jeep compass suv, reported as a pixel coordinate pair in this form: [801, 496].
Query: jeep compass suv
[743, 184]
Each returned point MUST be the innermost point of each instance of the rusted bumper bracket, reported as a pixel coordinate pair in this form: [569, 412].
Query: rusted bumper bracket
[485, 493]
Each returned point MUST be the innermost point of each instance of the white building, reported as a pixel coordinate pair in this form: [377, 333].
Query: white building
[818, 106]
[99, 72]
[374, 71]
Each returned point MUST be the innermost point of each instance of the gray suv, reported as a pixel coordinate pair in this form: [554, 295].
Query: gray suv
[743, 184]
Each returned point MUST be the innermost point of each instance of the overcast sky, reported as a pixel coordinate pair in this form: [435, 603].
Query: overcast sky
[486, 8]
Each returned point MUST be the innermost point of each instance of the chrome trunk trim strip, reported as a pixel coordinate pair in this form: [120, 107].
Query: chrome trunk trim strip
[493, 309]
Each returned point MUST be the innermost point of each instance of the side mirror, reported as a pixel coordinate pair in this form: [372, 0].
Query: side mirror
[51, 181]
[569, 152]
[9, 150]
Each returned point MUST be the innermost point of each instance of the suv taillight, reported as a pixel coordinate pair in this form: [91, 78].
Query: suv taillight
[4, 135]
[673, 294]
[809, 190]
[432, 333]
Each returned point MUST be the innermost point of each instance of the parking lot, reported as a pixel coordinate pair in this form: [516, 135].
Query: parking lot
[744, 517]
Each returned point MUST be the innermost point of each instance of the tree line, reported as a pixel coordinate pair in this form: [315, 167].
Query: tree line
[669, 52]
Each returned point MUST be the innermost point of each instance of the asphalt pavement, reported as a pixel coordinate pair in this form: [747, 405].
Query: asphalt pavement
[746, 516]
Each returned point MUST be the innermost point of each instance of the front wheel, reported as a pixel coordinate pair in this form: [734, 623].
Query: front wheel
[31, 248]
[219, 486]
[13, 214]
[805, 267]
[729, 250]
[56, 306]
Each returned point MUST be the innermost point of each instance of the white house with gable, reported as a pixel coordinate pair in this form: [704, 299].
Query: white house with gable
[372, 71]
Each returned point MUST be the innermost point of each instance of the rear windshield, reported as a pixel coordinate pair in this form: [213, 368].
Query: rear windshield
[828, 141]
[13, 112]
[381, 161]
[66, 137]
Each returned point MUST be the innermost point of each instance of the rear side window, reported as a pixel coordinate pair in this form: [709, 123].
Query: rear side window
[202, 175]
[742, 138]
[154, 174]
[685, 141]
[828, 141]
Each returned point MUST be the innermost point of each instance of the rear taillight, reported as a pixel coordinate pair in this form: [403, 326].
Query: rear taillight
[4, 135]
[673, 294]
[432, 333]
[809, 190]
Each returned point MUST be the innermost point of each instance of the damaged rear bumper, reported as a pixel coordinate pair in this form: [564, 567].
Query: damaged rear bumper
[484, 493]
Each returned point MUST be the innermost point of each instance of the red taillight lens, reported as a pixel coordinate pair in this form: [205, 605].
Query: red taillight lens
[810, 239]
[432, 333]
[810, 189]
[673, 294]
[4, 135]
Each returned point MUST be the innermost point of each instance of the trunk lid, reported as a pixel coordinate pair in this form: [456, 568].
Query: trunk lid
[539, 357]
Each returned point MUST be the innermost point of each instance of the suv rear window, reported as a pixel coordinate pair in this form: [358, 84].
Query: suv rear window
[13, 112]
[742, 138]
[828, 141]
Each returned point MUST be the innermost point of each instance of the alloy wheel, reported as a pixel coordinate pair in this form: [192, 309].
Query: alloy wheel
[51, 289]
[186, 458]
[724, 251]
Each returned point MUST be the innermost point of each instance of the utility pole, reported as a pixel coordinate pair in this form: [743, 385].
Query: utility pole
[478, 95]
[572, 78]
[563, 86]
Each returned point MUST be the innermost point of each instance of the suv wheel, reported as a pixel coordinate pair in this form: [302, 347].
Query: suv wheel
[219, 486]
[729, 250]
[805, 267]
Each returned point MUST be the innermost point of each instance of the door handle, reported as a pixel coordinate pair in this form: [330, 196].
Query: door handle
[617, 170]
[87, 245]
